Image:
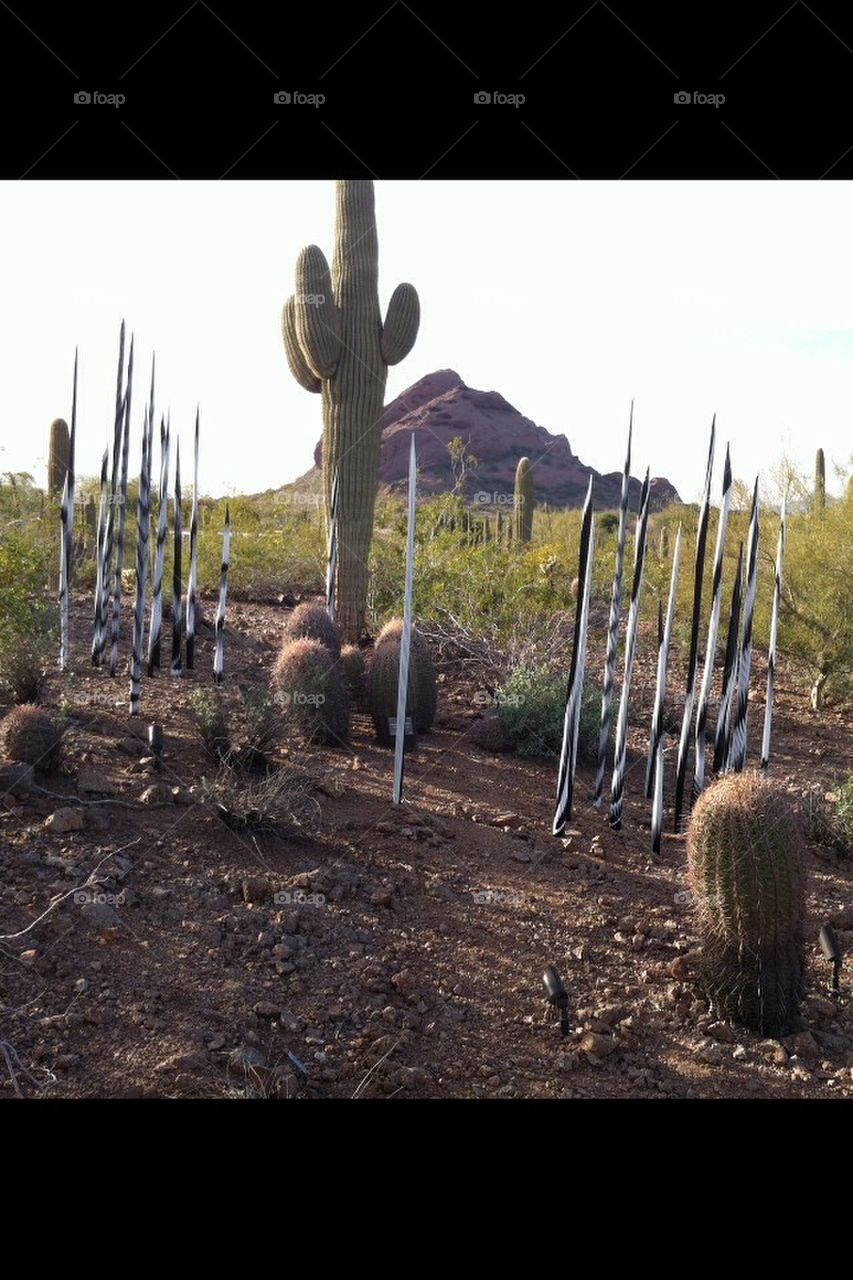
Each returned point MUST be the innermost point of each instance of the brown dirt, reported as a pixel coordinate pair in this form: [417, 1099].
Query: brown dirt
[414, 967]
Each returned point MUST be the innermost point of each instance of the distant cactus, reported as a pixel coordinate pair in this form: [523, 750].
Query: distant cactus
[29, 735]
[663, 543]
[746, 867]
[523, 500]
[57, 465]
[423, 707]
[309, 688]
[311, 620]
[90, 521]
[353, 670]
[336, 342]
[819, 481]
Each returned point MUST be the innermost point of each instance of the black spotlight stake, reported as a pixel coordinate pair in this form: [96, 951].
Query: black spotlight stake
[831, 948]
[155, 741]
[557, 996]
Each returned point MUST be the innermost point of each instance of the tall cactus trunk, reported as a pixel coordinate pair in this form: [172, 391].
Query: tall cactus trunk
[819, 482]
[335, 341]
[57, 463]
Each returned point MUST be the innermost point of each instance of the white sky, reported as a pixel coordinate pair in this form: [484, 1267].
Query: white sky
[567, 297]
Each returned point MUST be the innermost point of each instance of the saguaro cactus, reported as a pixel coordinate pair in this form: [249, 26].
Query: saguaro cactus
[819, 481]
[336, 343]
[747, 872]
[57, 464]
[523, 500]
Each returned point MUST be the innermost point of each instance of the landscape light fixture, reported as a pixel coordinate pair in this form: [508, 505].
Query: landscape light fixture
[557, 996]
[831, 948]
[155, 742]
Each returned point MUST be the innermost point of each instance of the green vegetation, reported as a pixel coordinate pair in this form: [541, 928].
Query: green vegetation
[532, 705]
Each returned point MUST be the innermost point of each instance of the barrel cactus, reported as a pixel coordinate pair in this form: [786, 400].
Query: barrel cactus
[523, 500]
[353, 670]
[58, 457]
[819, 481]
[28, 734]
[383, 679]
[425, 689]
[307, 685]
[746, 866]
[313, 621]
[336, 342]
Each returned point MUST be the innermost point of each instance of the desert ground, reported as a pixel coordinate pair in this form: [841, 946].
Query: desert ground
[392, 952]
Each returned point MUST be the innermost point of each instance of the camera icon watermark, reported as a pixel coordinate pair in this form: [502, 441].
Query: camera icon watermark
[83, 98]
[83, 897]
[498, 898]
[298, 898]
[682, 98]
[482, 98]
[283, 98]
[298, 698]
[495, 499]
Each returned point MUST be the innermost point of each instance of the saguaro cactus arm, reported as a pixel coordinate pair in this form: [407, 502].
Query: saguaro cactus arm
[317, 319]
[401, 324]
[295, 359]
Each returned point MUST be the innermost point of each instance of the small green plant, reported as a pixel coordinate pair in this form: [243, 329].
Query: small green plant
[211, 720]
[532, 707]
[844, 810]
[29, 618]
[264, 725]
[282, 802]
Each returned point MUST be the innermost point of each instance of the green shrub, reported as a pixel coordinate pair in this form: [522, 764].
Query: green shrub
[29, 618]
[844, 810]
[532, 707]
[211, 720]
[263, 723]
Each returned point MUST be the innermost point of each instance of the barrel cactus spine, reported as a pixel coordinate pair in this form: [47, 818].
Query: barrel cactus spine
[336, 343]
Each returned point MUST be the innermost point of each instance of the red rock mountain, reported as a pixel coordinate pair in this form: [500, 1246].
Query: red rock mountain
[440, 407]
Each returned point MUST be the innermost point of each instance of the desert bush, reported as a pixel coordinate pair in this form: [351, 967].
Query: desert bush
[829, 818]
[532, 708]
[263, 724]
[282, 802]
[212, 722]
[844, 809]
[816, 618]
[29, 619]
